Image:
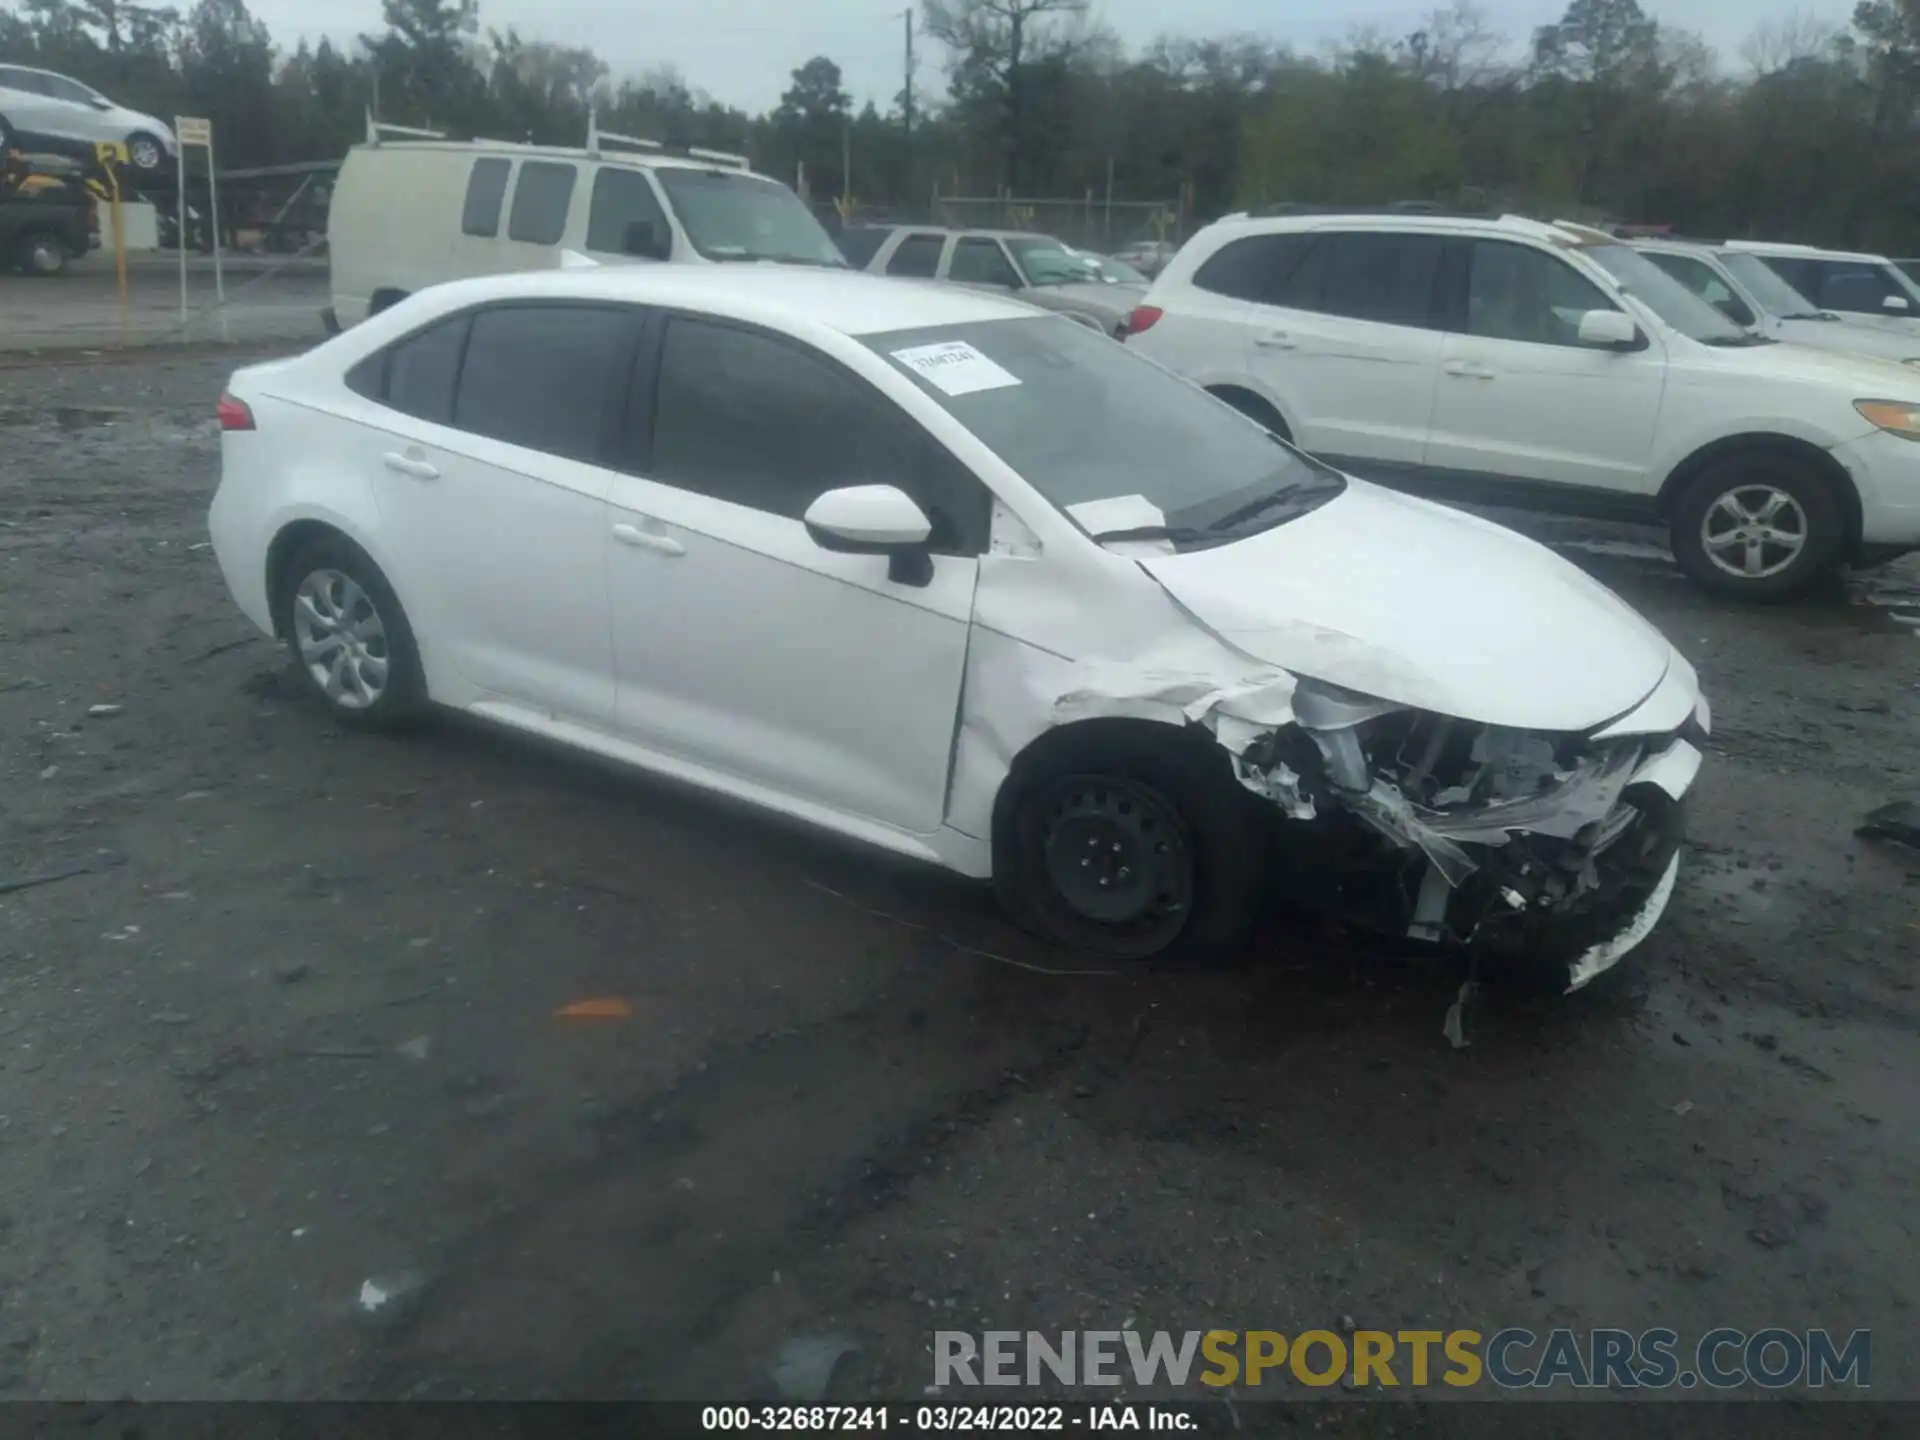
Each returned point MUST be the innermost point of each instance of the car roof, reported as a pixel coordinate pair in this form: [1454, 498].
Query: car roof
[963, 230]
[1810, 252]
[1564, 233]
[851, 302]
[575, 153]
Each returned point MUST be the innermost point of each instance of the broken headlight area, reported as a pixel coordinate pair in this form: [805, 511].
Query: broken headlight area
[1530, 847]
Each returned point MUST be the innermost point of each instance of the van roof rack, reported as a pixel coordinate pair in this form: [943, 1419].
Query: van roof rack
[377, 128]
[597, 139]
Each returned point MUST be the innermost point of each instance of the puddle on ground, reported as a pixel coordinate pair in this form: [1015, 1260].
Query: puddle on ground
[65, 417]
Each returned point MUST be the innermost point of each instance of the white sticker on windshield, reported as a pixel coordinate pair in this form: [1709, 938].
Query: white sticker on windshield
[955, 368]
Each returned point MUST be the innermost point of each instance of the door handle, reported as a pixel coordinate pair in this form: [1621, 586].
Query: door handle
[1276, 340]
[1467, 370]
[647, 540]
[412, 463]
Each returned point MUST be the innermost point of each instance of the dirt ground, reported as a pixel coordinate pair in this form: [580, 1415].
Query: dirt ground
[294, 1031]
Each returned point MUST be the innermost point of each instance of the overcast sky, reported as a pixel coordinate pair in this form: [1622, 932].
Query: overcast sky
[741, 51]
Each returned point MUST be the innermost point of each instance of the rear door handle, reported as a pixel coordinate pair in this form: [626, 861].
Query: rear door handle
[1276, 340]
[647, 539]
[412, 463]
[1467, 370]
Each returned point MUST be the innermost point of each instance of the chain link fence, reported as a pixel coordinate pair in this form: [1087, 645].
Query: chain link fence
[1089, 223]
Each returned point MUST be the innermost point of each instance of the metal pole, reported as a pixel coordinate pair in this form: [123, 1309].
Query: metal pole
[119, 246]
[907, 15]
[1109, 202]
[213, 206]
[180, 237]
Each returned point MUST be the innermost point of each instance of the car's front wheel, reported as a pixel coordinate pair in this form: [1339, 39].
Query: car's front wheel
[145, 153]
[1758, 526]
[1130, 848]
[349, 638]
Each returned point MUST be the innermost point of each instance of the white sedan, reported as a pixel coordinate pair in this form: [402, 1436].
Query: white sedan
[971, 583]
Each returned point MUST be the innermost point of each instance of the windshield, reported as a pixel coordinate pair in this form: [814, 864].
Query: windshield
[1048, 262]
[1116, 270]
[1775, 295]
[1114, 441]
[731, 216]
[1673, 302]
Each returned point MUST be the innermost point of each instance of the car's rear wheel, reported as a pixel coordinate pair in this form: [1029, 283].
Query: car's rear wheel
[349, 638]
[1132, 850]
[1757, 525]
[42, 254]
[145, 153]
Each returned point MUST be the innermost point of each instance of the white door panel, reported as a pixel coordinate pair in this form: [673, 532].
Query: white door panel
[1353, 387]
[741, 644]
[1552, 413]
[1519, 396]
[510, 544]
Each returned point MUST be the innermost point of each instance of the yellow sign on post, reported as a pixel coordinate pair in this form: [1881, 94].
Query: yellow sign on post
[110, 155]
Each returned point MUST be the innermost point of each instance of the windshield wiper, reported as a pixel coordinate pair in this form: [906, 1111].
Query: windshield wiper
[1739, 342]
[1179, 534]
[1809, 315]
[1286, 495]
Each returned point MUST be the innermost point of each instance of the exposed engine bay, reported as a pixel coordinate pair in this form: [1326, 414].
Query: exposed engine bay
[1540, 848]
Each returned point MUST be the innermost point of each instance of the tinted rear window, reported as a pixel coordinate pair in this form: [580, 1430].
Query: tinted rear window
[486, 189]
[917, 255]
[1253, 268]
[860, 246]
[421, 372]
[538, 376]
[540, 202]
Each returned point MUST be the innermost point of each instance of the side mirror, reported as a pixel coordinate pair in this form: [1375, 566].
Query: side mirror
[875, 520]
[1896, 303]
[645, 239]
[1609, 330]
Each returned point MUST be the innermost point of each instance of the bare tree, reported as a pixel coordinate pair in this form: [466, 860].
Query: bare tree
[1795, 36]
[992, 45]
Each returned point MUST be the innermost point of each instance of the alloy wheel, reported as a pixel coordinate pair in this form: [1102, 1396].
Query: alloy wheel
[1754, 532]
[342, 639]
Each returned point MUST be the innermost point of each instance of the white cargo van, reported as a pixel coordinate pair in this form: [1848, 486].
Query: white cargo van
[414, 212]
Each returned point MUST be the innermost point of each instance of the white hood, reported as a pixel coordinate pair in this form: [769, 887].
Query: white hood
[1428, 607]
[1848, 338]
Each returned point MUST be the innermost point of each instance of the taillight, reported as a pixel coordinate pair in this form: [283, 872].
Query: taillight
[1143, 319]
[234, 414]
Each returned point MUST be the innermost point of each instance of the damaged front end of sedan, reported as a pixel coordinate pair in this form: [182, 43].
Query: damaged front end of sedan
[1550, 855]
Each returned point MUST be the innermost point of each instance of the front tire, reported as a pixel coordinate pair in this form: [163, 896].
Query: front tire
[349, 638]
[1132, 848]
[145, 153]
[1757, 526]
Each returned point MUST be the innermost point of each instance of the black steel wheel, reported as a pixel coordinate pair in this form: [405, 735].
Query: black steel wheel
[1132, 843]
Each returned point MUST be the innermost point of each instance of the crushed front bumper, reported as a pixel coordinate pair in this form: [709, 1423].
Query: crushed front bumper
[1549, 857]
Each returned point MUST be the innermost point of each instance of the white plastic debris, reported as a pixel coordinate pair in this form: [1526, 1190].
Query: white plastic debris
[101, 712]
[1454, 1027]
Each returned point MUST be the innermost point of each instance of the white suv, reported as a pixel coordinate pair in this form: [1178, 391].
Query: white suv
[1752, 295]
[1521, 357]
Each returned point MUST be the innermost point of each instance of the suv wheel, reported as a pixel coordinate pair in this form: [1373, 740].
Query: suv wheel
[1757, 526]
[42, 254]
